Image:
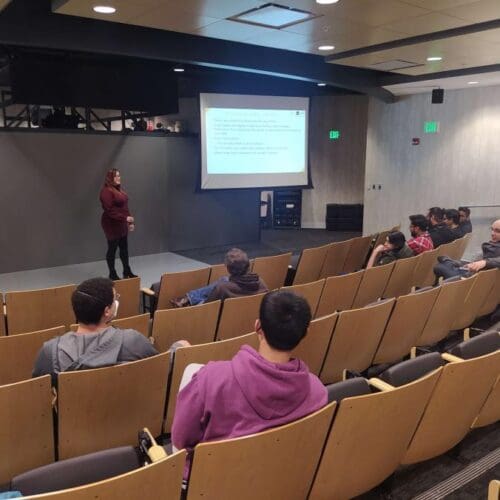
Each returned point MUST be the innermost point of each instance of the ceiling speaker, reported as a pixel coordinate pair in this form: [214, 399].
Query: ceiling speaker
[438, 96]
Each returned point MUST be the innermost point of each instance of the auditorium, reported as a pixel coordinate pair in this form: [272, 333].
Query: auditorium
[250, 249]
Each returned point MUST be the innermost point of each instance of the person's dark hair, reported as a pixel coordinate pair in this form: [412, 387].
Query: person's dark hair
[452, 214]
[284, 318]
[420, 221]
[237, 262]
[397, 238]
[437, 213]
[465, 210]
[91, 298]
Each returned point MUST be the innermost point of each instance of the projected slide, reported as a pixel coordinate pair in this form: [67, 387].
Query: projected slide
[253, 141]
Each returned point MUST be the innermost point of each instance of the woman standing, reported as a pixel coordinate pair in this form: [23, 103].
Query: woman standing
[116, 222]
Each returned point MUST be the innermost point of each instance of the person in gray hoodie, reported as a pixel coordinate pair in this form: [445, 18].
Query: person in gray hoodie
[95, 344]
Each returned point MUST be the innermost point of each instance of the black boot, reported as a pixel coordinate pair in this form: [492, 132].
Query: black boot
[114, 276]
[127, 273]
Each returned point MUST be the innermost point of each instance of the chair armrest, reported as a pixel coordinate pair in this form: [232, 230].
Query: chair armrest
[381, 385]
[450, 357]
[147, 291]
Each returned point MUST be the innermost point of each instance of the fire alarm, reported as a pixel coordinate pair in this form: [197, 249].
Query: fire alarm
[415, 141]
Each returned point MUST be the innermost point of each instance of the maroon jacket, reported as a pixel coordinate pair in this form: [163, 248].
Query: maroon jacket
[114, 218]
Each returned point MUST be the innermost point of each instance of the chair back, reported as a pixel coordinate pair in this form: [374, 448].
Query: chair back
[478, 293]
[372, 285]
[310, 291]
[405, 325]
[196, 324]
[469, 381]
[358, 252]
[338, 293]
[217, 271]
[448, 304]
[490, 411]
[310, 265]
[424, 270]
[335, 258]
[401, 279]
[139, 323]
[272, 269]
[34, 310]
[368, 439]
[105, 407]
[312, 348]
[454, 251]
[26, 436]
[493, 298]
[157, 481]
[238, 316]
[201, 354]
[284, 460]
[3, 329]
[355, 340]
[19, 352]
[174, 285]
[130, 297]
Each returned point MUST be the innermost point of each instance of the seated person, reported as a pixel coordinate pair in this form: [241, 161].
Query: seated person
[255, 390]
[465, 222]
[394, 248]
[95, 343]
[239, 283]
[489, 258]
[420, 241]
[438, 230]
[452, 220]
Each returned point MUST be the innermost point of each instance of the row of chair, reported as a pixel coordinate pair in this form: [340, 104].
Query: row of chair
[345, 449]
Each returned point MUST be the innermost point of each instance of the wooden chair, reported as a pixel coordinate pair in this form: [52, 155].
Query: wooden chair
[174, 285]
[312, 349]
[3, 329]
[490, 411]
[275, 464]
[34, 310]
[401, 280]
[139, 323]
[464, 244]
[157, 481]
[196, 324]
[460, 381]
[335, 258]
[447, 249]
[105, 407]
[424, 270]
[454, 250]
[238, 316]
[494, 490]
[372, 285]
[130, 297]
[339, 293]
[405, 325]
[493, 298]
[26, 436]
[217, 271]
[448, 304]
[310, 291]
[18, 353]
[358, 252]
[310, 265]
[479, 291]
[202, 354]
[355, 340]
[273, 269]
[368, 439]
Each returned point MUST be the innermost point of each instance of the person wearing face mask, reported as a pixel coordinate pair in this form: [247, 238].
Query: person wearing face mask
[95, 343]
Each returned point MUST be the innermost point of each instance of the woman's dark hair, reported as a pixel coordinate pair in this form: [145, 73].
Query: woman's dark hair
[465, 210]
[437, 213]
[91, 298]
[284, 318]
[452, 214]
[396, 238]
[420, 221]
[237, 262]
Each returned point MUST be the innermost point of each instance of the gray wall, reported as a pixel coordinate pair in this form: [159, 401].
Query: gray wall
[337, 167]
[457, 166]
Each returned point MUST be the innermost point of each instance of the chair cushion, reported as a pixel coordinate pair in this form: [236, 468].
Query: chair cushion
[77, 471]
[408, 371]
[348, 388]
[478, 346]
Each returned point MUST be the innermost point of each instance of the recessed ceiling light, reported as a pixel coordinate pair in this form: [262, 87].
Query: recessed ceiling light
[104, 9]
[472, 83]
[321, 84]
[326, 47]
[179, 70]
[434, 58]
[326, 2]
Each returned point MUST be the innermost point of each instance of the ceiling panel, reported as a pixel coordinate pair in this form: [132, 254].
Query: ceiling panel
[231, 30]
[428, 23]
[437, 5]
[477, 12]
[217, 8]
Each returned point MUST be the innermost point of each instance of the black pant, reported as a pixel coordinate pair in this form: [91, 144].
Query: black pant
[122, 244]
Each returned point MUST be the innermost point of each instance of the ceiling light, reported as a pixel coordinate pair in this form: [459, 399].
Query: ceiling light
[326, 2]
[273, 15]
[434, 58]
[179, 70]
[472, 83]
[321, 84]
[104, 9]
[326, 47]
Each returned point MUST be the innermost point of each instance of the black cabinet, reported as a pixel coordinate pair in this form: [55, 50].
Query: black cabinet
[287, 208]
[344, 217]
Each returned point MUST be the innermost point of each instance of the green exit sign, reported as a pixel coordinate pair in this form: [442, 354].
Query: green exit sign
[431, 127]
[334, 135]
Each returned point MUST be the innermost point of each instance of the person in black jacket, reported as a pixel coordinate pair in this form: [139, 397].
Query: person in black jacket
[465, 222]
[452, 220]
[438, 230]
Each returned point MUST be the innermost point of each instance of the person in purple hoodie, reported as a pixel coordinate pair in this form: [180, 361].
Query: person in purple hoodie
[256, 390]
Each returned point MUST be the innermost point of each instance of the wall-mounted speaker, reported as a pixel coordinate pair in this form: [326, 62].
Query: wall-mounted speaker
[438, 96]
